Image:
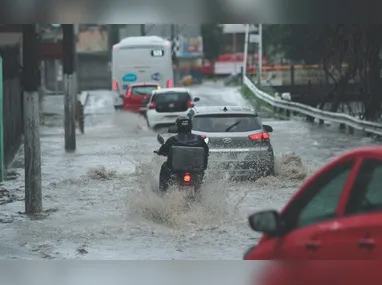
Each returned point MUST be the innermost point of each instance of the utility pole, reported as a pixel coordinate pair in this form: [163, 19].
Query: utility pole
[69, 82]
[75, 72]
[234, 53]
[32, 151]
[260, 71]
[245, 57]
[2, 170]
[110, 29]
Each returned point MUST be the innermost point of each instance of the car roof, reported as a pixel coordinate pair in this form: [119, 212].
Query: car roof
[366, 151]
[168, 90]
[142, 40]
[206, 110]
[143, 84]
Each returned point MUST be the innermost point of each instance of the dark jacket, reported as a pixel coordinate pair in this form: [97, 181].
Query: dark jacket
[189, 140]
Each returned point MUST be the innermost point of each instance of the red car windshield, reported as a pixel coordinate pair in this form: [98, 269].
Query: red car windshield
[143, 90]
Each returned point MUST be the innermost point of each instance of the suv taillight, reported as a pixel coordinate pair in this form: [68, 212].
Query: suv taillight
[259, 137]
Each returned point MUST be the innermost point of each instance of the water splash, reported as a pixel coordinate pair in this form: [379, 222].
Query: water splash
[174, 209]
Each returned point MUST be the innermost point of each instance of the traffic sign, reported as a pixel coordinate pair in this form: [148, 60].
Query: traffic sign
[253, 38]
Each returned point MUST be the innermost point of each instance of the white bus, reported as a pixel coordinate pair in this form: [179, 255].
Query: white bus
[140, 59]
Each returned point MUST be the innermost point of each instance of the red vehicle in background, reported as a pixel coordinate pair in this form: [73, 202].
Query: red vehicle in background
[336, 215]
[226, 63]
[137, 95]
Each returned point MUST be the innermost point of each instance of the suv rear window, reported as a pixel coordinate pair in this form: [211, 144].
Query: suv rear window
[222, 123]
[171, 97]
[143, 90]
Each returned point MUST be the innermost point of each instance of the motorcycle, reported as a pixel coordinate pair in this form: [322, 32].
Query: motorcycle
[188, 180]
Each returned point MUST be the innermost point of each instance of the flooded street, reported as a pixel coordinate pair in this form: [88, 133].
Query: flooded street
[101, 202]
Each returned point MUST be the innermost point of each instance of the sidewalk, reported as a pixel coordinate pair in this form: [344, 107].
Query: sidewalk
[54, 104]
[83, 192]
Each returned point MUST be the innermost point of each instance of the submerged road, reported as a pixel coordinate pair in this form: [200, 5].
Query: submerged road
[102, 203]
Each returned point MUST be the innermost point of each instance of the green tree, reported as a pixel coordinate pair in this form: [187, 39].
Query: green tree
[308, 43]
[212, 40]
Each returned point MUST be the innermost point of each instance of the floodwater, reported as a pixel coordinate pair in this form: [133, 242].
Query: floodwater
[101, 201]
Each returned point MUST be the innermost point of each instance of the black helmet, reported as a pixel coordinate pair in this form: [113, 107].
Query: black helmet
[184, 124]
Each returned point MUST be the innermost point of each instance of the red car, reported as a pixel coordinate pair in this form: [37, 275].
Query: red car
[319, 272]
[336, 215]
[137, 97]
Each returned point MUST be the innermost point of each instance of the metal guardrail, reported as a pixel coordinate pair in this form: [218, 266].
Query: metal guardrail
[340, 118]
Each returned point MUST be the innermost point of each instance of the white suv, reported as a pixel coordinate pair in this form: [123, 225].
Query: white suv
[167, 104]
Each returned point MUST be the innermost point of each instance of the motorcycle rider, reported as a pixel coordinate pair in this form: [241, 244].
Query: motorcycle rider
[183, 138]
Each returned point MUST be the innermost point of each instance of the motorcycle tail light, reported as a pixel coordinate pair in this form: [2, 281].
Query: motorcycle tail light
[187, 177]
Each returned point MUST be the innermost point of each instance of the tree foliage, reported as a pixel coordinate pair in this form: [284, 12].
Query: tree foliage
[305, 43]
[355, 57]
[349, 54]
[212, 40]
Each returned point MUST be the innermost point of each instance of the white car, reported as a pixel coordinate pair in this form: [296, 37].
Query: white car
[167, 104]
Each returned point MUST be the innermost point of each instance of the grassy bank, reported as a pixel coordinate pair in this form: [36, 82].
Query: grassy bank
[247, 93]
[262, 105]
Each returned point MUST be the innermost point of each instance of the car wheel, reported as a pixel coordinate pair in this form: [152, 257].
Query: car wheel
[240, 178]
[264, 171]
[256, 176]
[272, 168]
[267, 171]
